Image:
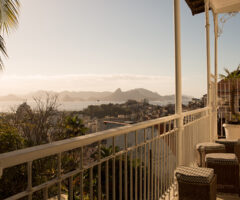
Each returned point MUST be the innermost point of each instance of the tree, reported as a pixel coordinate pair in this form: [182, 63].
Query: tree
[10, 140]
[74, 126]
[12, 177]
[36, 125]
[9, 11]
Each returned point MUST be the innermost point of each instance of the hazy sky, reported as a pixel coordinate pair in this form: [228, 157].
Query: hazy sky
[106, 44]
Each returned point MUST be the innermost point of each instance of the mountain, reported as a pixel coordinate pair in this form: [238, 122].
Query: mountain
[137, 94]
[10, 97]
[69, 95]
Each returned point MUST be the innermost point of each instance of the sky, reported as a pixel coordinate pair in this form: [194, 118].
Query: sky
[102, 45]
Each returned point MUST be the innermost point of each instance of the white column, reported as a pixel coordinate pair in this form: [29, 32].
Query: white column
[215, 73]
[208, 67]
[178, 78]
[208, 52]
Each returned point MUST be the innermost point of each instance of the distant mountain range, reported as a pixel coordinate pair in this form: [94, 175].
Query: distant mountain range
[118, 95]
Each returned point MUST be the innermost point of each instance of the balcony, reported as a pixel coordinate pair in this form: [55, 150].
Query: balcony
[131, 162]
[140, 165]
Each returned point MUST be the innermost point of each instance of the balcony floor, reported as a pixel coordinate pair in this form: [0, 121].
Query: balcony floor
[219, 197]
[222, 197]
[228, 197]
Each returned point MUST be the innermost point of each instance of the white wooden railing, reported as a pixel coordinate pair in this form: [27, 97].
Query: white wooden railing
[131, 162]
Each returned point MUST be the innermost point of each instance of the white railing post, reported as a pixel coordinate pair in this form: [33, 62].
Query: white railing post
[215, 16]
[178, 79]
[208, 66]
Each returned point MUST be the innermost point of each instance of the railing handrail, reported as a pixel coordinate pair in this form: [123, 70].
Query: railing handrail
[13, 158]
[192, 112]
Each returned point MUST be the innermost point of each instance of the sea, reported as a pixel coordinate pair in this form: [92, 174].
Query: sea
[8, 106]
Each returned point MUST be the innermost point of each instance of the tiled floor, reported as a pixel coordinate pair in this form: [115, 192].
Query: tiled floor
[222, 197]
[219, 197]
[228, 197]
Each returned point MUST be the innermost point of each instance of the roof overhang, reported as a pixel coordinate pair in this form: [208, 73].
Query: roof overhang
[218, 6]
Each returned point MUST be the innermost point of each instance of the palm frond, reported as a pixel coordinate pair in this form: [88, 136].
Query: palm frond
[238, 68]
[222, 76]
[9, 11]
[227, 71]
[230, 75]
[3, 51]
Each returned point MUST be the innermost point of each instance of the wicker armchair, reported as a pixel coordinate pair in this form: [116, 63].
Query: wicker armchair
[231, 146]
[205, 148]
[226, 167]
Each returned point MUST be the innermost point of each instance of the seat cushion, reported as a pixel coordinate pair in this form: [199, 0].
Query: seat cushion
[194, 174]
[222, 158]
[227, 141]
[209, 146]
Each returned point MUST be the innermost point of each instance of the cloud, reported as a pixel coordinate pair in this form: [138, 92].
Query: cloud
[85, 82]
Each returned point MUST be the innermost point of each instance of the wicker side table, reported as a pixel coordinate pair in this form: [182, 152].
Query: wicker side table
[205, 148]
[196, 183]
[226, 168]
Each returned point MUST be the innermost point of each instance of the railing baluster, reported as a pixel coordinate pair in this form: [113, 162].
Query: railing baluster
[167, 159]
[171, 159]
[81, 173]
[159, 163]
[113, 171]
[169, 155]
[229, 99]
[59, 175]
[45, 193]
[120, 177]
[149, 172]
[170, 162]
[107, 180]
[155, 169]
[125, 170]
[140, 167]
[131, 176]
[145, 167]
[237, 97]
[70, 188]
[91, 182]
[99, 172]
[136, 168]
[157, 185]
[29, 171]
[176, 160]
[152, 158]
[164, 164]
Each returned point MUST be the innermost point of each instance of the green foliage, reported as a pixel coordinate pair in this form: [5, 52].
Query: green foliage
[74, 126]
[106, 110]
[28, 127]
[12, 178]
[10, 140]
